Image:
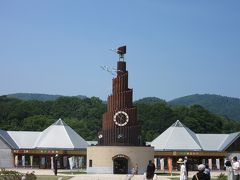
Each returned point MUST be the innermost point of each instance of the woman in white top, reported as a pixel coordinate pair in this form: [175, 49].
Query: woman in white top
[183, 171]
[235, 167]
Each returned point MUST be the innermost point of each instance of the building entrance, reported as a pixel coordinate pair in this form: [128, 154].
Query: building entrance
[120, 165]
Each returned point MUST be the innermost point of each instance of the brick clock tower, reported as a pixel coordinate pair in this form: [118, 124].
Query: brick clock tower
[119, 146]
[119, 124]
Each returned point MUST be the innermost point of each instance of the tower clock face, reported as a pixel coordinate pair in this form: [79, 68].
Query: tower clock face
[120, 118]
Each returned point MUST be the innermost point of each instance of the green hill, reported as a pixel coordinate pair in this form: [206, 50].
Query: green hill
[150, 100]
[85, 116]
[222, 105]
[38, 97]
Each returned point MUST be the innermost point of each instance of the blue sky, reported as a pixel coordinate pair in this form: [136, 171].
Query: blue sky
[174, 48]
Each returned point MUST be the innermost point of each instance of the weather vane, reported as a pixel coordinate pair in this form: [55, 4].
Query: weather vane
[121, 51]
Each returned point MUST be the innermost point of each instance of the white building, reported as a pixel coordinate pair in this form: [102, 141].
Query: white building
[37, 149]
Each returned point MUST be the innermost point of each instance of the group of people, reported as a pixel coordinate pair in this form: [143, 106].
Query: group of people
[233, 168]
[202, 174]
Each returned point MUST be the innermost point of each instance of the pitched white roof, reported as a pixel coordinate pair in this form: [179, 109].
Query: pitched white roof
[60, 136]
[180, 138]
[177, 137]
[229, 140]
[8, 139]
[57, 136]
[24, 139]
[212, 142]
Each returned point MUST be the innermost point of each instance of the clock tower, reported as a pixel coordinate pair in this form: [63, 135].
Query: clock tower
[119, 147]
[119, 124]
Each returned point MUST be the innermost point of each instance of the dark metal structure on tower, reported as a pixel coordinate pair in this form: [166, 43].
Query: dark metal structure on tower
[119, 124]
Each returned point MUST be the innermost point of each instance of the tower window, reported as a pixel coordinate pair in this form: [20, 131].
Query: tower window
[90, 163]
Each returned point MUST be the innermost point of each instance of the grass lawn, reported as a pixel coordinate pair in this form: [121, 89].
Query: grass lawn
[74, 172]
[46, 177]
[167, 174]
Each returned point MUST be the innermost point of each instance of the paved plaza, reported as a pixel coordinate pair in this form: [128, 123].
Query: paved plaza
[126, 177]
[101, 176]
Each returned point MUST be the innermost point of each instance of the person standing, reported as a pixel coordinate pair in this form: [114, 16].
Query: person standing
[151, 167]
[55, 164]
[207, 170]
[186, 164]
[136, 169]
[235, 167]
[201, 175]
[229, 169]
[149, 175]
[183, 172]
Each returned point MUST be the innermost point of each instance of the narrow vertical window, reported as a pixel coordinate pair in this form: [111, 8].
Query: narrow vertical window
[90, 163]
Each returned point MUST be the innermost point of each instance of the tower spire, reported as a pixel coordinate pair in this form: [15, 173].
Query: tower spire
[119, 124]
[121, 51]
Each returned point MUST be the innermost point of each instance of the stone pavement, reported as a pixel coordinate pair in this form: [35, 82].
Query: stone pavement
[110, 177]
[36, 171]
[136, 177]
[102, 176]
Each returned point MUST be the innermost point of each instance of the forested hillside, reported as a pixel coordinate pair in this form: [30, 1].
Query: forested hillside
[85, 115]
[226, 106]
[34, 96]
[39, 97]
[150, 100]
[222, 105]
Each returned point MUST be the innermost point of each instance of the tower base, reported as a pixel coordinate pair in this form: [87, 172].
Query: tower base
[118, 159]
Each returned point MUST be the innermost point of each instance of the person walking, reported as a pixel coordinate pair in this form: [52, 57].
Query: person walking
[183, 171]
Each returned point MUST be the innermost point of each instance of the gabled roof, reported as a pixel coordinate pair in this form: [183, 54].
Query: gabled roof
[10, 142]
[60, 136]
[177, 137]
[180, 138]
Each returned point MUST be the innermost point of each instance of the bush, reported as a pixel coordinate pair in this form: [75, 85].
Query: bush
[10, 175]
[222, 176]
[31, 176]
[14, 175]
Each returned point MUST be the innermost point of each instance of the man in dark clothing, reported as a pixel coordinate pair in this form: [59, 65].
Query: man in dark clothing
[150, 170]
[201, 175]
[55, 164]
[186, 164]
[152, 166]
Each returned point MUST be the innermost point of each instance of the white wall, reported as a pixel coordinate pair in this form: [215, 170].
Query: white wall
[102, 161]
[6, 157]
